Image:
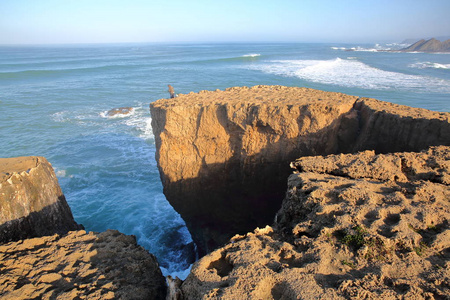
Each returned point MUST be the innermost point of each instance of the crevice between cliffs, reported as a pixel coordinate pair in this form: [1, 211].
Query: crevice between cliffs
[224, 157]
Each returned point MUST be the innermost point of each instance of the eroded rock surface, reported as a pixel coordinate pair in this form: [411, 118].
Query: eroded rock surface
[31, 201]
[79, 265]
[224, 156]
[354, 226]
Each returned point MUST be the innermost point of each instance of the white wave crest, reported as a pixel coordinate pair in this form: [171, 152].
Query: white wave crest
[142, 122]
[352, 73]
[251, 55]
[427, 64]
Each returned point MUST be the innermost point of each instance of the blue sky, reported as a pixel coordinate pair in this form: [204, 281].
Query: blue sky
[110, 21]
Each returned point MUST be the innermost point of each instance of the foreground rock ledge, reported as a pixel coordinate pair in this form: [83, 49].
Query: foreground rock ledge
[31, 201]
[224, 156]
[355, 226]
[79, 265]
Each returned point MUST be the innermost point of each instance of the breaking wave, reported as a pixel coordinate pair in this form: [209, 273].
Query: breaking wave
[352, 73]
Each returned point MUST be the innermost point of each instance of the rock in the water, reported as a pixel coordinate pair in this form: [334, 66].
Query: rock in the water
[31, 201]
[354, 226]
[224, 156]
[119, 111]
[79, 265]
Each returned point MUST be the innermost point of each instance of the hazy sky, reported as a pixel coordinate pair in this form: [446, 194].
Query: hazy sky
[99, 21]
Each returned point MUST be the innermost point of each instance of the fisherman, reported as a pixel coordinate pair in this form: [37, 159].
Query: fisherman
[171, 91]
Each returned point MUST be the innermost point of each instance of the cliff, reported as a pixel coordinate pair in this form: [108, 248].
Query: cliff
[31, 201]
[431, 45]
[41, 258]
[224, 156]
[352, 226]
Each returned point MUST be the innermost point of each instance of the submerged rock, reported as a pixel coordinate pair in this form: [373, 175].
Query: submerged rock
[224, 156]
[119, 111]
[31, 201]
[354, 226]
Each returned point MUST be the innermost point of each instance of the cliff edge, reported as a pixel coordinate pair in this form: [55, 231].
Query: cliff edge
[224, 156]
[43, 255]
[352, 226]
[31, 201]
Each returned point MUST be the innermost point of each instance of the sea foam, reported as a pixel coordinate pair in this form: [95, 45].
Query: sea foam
[352, 73]
[427, 64]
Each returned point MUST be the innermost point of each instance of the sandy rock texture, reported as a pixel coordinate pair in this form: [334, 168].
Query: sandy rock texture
[79, 265]
[353, 226]
[224, 156]
[31, 201]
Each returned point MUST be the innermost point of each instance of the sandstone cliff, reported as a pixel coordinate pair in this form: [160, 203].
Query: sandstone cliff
[353, 226]
[63, 264]
[31, 201]
[79, 265]
[224, 156]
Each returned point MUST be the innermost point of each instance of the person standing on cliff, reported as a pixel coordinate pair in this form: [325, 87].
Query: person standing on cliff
[171, 91]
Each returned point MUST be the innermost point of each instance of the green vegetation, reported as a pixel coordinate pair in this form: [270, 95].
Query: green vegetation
[348, 263]
[356, 240]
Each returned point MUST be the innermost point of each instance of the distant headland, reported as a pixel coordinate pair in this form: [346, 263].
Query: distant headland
[431, 45]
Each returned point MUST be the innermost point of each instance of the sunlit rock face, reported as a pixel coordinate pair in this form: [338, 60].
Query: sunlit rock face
[31, 201]
[224, 156]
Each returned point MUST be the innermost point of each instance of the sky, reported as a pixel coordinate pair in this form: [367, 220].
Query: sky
[114, 21]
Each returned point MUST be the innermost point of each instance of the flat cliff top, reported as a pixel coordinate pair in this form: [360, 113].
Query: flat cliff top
[260, 94]
[79, 265]
[17, 165]
[282, 95]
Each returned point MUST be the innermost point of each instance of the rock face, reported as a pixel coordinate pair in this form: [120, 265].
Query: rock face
[31, 201]
[224, 156]
[431, 45]
[79, 265]
[353, 226]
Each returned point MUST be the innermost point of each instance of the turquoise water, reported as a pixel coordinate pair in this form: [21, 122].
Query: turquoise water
[54, 101]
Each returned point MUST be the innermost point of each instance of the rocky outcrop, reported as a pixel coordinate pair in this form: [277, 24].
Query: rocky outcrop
[31, 201]
[353, 226]
[224, 156]
[120, 111]
[431, 45]
[79, 265]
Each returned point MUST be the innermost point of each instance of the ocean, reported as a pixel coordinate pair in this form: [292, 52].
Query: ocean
[54, 101]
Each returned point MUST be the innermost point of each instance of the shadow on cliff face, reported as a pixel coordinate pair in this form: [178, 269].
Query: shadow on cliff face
[78, 265]
[54, 218]
[245, 192]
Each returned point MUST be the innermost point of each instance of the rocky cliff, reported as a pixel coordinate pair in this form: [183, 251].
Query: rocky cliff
[63, 264]
[353, 226]
[31, 201]
[224, 156]
[79, 265]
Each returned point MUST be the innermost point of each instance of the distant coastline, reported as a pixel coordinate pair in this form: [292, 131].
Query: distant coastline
[432, 45]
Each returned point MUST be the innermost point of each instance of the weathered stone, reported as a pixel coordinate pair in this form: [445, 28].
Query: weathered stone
[31, 201]
[223, 156]
[351, 234]
[79, 265]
